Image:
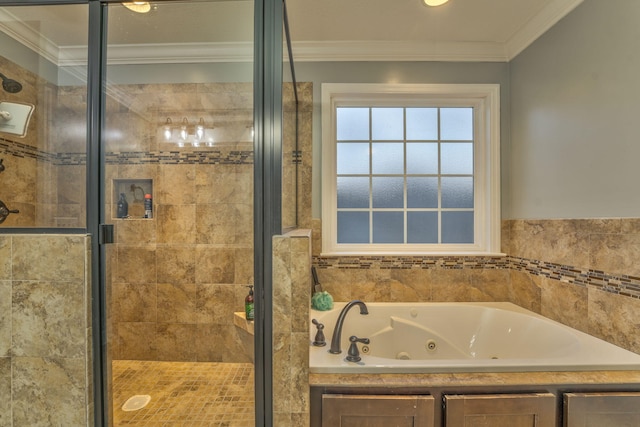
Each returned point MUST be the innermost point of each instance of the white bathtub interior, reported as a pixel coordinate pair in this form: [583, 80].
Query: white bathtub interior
[460, 337]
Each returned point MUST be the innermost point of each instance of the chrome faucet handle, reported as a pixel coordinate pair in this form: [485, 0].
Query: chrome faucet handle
[319, 340]
[353, 355]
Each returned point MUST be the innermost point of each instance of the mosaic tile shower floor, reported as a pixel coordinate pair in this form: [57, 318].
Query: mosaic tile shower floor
[184, 394]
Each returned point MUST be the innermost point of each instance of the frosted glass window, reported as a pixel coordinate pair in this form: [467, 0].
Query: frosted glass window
[422, 192]
[387, 192]
[353, 192]
[352, 124]
[403, 170]
[352, 158]
[457, 192]
[422, 124]
[457, 227]
[353, 227]
[387, 124]
[422, 227]
[422, 158]
[387, 158]
[457, 158]
[456, 124]
[388, 227]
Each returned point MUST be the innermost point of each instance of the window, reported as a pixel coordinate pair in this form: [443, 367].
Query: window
[410, 169]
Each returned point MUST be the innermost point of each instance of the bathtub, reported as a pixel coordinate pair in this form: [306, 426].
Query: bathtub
[460, 337]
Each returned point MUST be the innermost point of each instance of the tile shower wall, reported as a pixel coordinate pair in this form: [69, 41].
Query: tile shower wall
[18, 182]
[179, 277]
[45, 171]
[45, 331]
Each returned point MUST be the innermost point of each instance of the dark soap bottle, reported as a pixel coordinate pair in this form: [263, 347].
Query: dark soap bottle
[123, 207]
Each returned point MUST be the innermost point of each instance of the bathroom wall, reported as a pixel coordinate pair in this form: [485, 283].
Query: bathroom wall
[18, 182]
[45, 331]
[179, 276]
[573, 155]
[574, 95]
[569, 153]
[399, 72]
[44, 172]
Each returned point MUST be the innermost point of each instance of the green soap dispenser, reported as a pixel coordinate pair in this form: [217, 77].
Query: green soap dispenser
[248, 304]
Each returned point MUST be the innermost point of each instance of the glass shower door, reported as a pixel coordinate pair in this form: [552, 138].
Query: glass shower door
[178, 187]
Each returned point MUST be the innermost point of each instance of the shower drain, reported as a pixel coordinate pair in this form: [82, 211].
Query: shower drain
[136, 402]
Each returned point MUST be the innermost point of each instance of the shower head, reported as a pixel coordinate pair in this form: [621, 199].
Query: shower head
[10, 85]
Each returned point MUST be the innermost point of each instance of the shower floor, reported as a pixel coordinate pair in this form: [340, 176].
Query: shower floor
[184, 394]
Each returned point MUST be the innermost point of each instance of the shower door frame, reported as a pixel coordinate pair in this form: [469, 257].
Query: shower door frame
[268, 54]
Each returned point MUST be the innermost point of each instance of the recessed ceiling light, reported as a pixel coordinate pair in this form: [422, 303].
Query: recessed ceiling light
[434, 2]
[138, 6]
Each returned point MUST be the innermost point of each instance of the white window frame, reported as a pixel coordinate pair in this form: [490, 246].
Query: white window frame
[484, 98]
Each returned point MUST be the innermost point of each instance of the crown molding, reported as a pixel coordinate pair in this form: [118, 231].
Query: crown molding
[398, 51]
[553, 12]
[27, 36]
[167, 53]
[308, 51]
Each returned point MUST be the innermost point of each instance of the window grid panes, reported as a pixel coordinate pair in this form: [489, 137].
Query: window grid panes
[405, 175]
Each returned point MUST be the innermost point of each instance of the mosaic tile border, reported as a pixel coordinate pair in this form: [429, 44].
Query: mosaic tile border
[212, 157]
[201, 157]
[18, 149]
[624, 285]
[409, 262]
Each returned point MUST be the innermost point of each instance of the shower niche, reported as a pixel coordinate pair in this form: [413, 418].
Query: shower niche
[137, 195]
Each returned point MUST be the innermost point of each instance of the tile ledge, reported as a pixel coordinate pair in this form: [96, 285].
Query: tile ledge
[240, 321]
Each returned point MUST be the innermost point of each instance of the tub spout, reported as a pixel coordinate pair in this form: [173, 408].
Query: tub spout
[337, 330]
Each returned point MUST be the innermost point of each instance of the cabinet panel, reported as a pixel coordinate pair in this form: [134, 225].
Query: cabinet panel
[501, 410]
[602, 410]
[340, 410]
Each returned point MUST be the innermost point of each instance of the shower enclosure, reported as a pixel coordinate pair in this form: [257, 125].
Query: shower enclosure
[150, 136]
[178, 138]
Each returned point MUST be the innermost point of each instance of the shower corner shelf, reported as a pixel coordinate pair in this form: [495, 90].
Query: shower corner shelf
[134, 190]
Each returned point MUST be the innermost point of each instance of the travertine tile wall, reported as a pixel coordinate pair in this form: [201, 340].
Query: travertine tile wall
[291, 297]
[179, 277]
[45, 331]
[45, 171]
[18, 182]
[589, 277]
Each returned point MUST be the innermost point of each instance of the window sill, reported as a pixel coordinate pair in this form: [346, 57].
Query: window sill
[408, 253]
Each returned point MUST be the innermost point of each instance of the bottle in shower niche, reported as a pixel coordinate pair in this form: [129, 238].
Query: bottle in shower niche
[122, 207]
[248, 304]
[148, 206]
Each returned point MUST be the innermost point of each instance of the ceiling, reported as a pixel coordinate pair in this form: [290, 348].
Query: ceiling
[321, 30]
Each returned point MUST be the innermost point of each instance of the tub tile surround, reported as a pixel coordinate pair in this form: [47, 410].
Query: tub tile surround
[582, 273]
[45, 331]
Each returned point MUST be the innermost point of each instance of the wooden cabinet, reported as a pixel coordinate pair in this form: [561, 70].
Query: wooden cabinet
[501, 410]
[602, 409]
[341, 410]
[442, 408]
